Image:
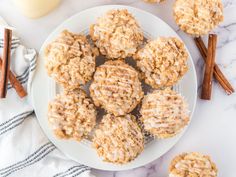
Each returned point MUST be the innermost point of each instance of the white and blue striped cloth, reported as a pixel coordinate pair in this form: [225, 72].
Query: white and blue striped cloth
[24, 149]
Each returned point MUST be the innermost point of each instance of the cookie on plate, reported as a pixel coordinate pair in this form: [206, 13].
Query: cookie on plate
[116, 87]
[118, 139]
[70, 60]
[164, 113]
[192, 164]
[198, 17]
[163, 61]
[117, 34]
[72, 115]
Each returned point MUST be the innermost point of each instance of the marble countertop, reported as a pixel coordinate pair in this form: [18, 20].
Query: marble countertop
[213, 127]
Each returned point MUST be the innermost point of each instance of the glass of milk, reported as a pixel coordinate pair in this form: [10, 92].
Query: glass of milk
[35, 8]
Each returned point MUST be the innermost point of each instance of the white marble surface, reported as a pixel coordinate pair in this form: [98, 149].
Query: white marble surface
[213, 128]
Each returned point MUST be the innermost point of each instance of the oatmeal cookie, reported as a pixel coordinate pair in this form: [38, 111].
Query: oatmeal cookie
[164, 113]
[70, 60]
[116, 87]
[117, 34]
[163, 61]
[198, 17]
[192, 165]
[118, 139]
[72, 115]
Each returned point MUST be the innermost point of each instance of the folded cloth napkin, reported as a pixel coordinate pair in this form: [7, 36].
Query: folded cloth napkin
[24, 149]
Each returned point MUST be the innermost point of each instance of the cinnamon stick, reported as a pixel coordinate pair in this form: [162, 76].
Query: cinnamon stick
[6, 62]
[209, 67]
[219, 76]
[15, 83]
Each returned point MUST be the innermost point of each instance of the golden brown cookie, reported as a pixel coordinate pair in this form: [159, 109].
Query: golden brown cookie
[163, 61]
[117, 34]
[192, 165]
[70, 60]
[116, 87]
[118, 139]
[164, 113]
[72, 115]
[198, 17]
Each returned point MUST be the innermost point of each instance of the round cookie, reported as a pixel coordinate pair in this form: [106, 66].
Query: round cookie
[198, 17]
[192, 164]
[117, 34]
[70, 60]
[118, 139]
[163, 61]
[72, 115]
[116, 87]
[164, 113]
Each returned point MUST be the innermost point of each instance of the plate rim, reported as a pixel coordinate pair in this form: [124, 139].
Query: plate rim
[52, 33]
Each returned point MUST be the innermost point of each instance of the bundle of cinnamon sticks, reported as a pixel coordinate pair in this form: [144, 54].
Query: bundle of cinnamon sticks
[211, 68]
[6, 74]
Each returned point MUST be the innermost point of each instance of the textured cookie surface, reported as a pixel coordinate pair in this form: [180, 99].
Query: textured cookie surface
[118, 139]
[72, 115]
[117, 34]
[198, 17]
[192, 165]
[164, 113]
[70, 60]
[163, 61]
[116, 87]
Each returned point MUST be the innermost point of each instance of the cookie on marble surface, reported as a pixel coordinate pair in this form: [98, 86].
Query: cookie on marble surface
[118, 139]
[163, 61]
[164, 113]
[117, 34]
[192, 164]
[198, 17]
[116, 87]
[70, 60]
[72, 115]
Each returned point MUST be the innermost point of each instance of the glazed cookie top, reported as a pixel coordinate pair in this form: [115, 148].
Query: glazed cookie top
[117, 34]
[116, 87]
[198, 17]
[164, 113]
[72, 115]
[118, 139]
[163, 61]
[192, 164]
[70, 60]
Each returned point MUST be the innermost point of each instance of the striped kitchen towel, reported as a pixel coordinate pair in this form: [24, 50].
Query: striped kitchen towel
[24, 149]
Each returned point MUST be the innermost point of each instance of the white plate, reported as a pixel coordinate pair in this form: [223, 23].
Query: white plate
[44, 90]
